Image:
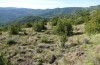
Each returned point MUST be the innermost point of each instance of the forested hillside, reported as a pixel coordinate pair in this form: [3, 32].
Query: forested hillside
[10, 14]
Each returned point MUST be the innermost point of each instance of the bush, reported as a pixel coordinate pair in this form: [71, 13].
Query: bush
[63, 39]
[14, 30]
[79, 21]
[93, 26]
[63, 28]
[39, 26]
[54, 21]
[27, 25]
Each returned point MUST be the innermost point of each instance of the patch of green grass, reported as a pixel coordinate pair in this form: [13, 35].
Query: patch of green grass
[89, 63]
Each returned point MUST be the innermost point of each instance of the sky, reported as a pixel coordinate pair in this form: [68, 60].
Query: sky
[44, 4]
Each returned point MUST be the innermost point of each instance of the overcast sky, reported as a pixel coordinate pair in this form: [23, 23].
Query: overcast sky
[44, 4]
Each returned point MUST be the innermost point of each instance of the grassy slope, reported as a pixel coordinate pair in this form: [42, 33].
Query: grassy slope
[36, 48]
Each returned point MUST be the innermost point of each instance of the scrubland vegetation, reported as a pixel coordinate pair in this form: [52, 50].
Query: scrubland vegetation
[61, 40]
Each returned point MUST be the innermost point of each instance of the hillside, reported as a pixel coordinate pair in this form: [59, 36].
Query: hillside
[10, 14]
[61, 40]
[44, 48]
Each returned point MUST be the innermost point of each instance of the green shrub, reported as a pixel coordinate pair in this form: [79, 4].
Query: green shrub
[63, 39]
[36, 27]
[63, 28]
[54, 21]
[27, 25]
[93, 26]
[39, 26]
[79, 21]
[14, 30]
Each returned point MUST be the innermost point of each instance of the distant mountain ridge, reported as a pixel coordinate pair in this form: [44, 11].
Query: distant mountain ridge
[10, 14]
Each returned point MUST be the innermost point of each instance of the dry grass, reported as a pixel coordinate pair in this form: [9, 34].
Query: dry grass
[41, 48]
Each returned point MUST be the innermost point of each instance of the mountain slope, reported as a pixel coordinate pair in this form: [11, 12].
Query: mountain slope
[10, 14]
